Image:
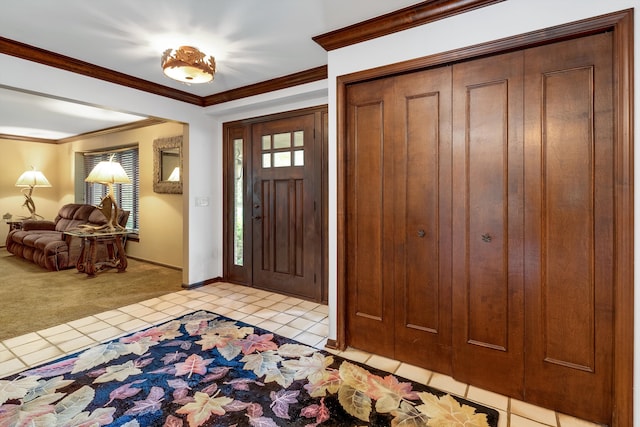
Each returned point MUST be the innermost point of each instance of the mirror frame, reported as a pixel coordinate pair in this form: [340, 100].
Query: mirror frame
[159, 145]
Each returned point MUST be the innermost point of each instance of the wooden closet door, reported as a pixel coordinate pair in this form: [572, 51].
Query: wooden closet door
[488, 223]
[398, 221]
[370, 215]
[570, 226]
[422, 169]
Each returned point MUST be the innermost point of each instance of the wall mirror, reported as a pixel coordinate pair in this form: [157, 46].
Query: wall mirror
[167, 165]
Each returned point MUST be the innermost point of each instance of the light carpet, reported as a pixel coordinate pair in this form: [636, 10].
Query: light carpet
[33, 298]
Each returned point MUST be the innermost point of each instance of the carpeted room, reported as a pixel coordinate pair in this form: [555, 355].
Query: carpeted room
[32, 298]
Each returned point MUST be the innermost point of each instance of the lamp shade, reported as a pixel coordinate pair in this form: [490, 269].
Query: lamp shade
[108, 172]
[32, 178]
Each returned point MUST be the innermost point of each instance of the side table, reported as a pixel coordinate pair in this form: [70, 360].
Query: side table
[116, 255]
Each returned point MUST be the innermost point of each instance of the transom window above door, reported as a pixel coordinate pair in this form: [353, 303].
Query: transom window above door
[283, 149]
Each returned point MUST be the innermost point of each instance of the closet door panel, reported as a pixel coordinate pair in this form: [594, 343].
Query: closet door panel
[487, 223]
[487, 201]
[370, 221]
[423, 220]
[569, 226]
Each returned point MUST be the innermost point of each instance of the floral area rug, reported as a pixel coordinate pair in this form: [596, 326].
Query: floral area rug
[204, 369]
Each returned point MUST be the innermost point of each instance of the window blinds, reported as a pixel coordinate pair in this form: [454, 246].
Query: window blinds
[126, 195]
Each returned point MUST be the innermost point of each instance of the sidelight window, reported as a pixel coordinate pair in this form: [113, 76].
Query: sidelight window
[238, 205]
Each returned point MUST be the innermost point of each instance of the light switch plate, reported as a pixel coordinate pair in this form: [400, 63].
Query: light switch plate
[202, 202]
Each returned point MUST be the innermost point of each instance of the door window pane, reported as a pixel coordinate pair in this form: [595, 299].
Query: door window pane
[278, 152]
[282, 140]
[282, 159]
[266, 160]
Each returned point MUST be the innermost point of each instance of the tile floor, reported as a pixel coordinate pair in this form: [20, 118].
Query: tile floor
[291, 317]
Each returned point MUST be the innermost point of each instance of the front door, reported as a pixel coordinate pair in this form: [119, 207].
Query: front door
[286, 207]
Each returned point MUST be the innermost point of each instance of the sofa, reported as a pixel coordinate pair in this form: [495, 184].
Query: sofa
[44, 242]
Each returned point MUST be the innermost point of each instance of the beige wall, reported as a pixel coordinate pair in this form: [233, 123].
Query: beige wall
[160, 214]
[16, 157]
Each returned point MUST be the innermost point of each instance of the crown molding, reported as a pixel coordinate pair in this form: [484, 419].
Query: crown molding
[121, 128]
[418, 14]
[295, 79]
[409, 17]
[52, 59]
[7, 136]
[100, 132]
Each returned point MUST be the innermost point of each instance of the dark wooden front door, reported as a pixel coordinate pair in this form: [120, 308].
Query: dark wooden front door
[286, 207]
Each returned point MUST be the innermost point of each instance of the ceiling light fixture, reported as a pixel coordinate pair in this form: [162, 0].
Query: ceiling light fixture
[188, 65]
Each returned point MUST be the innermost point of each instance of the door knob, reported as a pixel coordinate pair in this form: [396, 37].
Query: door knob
[486, 238]
[257, 217]
[421, 233]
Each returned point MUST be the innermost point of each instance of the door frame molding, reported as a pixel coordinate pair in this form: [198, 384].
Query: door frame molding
[621, 24]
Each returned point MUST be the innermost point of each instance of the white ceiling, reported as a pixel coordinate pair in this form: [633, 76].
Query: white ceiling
[252, 41]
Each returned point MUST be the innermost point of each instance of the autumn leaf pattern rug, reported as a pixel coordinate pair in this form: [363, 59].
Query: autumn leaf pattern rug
[204, 369]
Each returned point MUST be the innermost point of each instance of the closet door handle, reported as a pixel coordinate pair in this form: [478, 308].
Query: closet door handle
[421, 233]
[486, 238]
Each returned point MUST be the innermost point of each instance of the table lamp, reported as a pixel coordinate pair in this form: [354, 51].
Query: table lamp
[109, 173]
[29, 180]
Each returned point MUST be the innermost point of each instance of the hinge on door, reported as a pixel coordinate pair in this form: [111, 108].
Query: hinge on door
[314, 277]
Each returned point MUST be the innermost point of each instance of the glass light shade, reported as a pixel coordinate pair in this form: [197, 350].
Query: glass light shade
[188, 65]
[175, 175]
[188, 74]
[32, 178]
[108, 172]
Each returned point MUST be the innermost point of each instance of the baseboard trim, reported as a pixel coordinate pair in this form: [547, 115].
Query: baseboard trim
[332, 344]
[173, 267]
[203, 283]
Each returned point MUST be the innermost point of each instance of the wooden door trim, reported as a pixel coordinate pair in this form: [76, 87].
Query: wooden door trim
[621, 23]
[624, 223]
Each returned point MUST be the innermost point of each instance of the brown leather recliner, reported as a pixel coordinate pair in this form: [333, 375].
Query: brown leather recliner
[44, 242]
